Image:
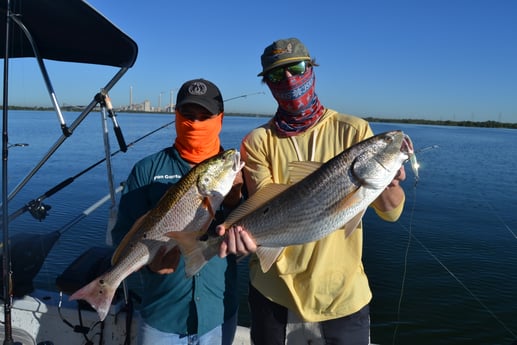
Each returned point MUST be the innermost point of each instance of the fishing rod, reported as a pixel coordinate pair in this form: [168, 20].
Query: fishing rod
[6, 257]
[105, 102]
[246, 95]
[39, 210]
[63, 137]
[31, 249]
[79, 217]
[88, 211]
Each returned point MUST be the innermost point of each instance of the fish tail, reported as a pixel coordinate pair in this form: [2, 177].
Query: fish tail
[198, 256]
[98, 294]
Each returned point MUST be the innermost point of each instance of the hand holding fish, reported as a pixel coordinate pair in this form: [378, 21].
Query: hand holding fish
[401, 176]
[237, 241]
[165, 262]
[393, 195]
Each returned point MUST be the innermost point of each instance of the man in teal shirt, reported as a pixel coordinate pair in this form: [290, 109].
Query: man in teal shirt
[176, 309]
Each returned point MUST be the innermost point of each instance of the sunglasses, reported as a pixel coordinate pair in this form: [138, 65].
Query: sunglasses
[278, 74]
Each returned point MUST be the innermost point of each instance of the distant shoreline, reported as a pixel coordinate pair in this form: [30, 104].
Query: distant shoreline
[483, 124]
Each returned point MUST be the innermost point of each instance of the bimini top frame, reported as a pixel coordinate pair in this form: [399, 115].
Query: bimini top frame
[60, 30]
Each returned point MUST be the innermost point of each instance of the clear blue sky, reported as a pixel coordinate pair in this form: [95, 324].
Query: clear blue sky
[428, 59]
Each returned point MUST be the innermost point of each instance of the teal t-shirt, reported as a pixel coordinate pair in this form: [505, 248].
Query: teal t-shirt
[173, 303]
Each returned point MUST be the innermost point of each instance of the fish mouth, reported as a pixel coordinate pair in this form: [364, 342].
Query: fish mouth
[407, 146]
[237, 163]
[408, 149]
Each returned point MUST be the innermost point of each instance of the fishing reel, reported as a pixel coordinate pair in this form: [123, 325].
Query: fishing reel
[38, 209]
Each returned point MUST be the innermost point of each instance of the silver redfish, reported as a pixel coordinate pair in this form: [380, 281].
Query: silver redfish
[324, 197]
[188, 206]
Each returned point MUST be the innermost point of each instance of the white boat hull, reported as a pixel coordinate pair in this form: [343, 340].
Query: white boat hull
[36, 320]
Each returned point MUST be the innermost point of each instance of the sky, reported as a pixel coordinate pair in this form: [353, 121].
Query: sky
[418, 59]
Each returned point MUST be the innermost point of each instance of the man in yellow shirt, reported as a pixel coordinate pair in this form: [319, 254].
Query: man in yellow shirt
[315, 293]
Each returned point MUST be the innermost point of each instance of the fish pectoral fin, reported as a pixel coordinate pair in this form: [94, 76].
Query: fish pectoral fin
[351, 202]
[194, 261]
[267, 256]
[197, 256]
[353, 223]
[187, 241]
[351, 199]
[127, 238]
[299, 170]
[255, 201]
[184, 238]
[206, 203]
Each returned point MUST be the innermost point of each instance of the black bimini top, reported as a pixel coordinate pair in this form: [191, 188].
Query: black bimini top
[66, 30]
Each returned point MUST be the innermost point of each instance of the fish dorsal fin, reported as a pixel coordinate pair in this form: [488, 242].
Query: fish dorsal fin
[299, 170]
[258, 199]
[267, 256]
[127, 238]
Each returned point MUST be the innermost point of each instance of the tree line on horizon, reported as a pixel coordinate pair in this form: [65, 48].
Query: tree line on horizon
[483, 124]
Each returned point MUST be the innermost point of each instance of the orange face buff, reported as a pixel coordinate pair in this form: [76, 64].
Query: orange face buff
[198, 140]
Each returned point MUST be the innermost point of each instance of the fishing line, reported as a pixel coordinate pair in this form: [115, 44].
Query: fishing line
[412, 236]
[460, 282]
[491, 207]
[406, 255]
[414, 167]
[427, 148]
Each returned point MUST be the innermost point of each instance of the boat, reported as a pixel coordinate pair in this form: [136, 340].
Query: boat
[65, 31]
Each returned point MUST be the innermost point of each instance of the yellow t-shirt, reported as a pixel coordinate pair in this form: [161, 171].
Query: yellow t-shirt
[325, 279]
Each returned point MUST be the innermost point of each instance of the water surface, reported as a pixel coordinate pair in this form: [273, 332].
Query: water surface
[443, 274]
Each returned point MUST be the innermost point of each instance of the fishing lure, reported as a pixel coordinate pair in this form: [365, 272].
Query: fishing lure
[412, 158]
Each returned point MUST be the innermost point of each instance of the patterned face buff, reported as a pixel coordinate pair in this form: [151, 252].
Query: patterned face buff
[198, 140]
[298, 105]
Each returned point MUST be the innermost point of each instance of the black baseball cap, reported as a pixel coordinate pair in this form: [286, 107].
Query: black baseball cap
[201, 92]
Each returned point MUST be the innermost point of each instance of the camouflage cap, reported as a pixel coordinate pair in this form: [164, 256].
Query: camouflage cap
[283, 52]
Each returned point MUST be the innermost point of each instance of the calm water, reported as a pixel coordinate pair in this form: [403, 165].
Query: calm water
[443, 274]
